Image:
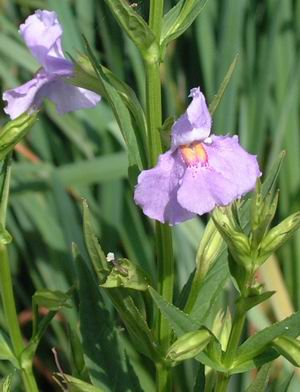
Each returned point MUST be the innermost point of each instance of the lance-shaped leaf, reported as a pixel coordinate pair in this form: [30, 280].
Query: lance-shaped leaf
[6, 352]
[95, 251]
[14, 131]
[135, 27]
[125, 273]
[260, 342]
[179, 19]
[75, 384]
[131, 136]
[52, 301]
[261, 380]
[86, 77]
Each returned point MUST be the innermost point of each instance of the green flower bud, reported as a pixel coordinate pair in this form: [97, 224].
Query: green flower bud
[277, 236]
[288, 347]
[189, 345]
[14, 131]
[237, 242]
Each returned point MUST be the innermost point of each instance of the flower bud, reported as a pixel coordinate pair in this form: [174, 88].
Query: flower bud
[288, 347]
[277, 236]
[14, 131]
[189, 345]
[237, 242]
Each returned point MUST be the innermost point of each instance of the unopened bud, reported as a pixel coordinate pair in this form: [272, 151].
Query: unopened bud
[14, 131]
[189, 345]
[277, 236]
[288, 347]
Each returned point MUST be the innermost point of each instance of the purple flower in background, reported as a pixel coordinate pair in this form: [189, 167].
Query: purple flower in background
[42, 34]
[198, 173]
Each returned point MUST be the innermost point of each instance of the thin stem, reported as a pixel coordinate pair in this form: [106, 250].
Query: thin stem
[9, 303]
[156, 17]
[12, 318]
[234, 338]
[222, 382]
[163, 232]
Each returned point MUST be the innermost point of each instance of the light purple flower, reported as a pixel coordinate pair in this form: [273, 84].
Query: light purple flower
[42, 34]
[199, 172]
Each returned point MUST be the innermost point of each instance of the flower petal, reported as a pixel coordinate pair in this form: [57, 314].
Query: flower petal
[42, 34]
[202, 189]
[69, 98]
[194, 124]
[25, 97]
[156, 191]
[227, 157]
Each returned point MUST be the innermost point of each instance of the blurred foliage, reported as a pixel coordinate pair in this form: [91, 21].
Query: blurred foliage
[82, 155]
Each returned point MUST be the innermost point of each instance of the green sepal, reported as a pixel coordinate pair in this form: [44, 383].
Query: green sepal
[6, 383]
[279, 234]
[179, 19]
[94, 249]
[53, 300]
[136, 28]
[125, 273]
[14, 131]
[289, 348]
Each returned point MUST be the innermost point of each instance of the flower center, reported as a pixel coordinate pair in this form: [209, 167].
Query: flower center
[193, 154]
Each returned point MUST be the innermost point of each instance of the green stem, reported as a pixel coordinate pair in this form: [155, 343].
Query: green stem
[234, 338]
[12, 318]
[222, 382]
[233, 342]
[163, 232]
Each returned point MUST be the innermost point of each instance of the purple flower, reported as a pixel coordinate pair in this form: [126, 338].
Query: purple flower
[199, 172]
[42, 34]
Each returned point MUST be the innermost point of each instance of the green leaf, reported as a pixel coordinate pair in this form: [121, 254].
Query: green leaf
[6, 353]
[76, 385]
[52, 300]
[180, 322]
[132, 138]
[261, 381]
[135, 27]
[253, 300]
[125, 273]
[86, 77]
[99, 336]
[289, 348]
[217, 98]
[179, 19]
[95, 251]
[14, 131]
[258, 343]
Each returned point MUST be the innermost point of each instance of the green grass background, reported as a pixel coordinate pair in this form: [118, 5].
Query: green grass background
[82, 154]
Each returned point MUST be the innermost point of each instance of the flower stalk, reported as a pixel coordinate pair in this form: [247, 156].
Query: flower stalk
[163, 233]
[7, 293]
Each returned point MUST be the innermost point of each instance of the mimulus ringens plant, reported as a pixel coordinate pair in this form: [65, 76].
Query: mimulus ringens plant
[199, 172]
[42, 34]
